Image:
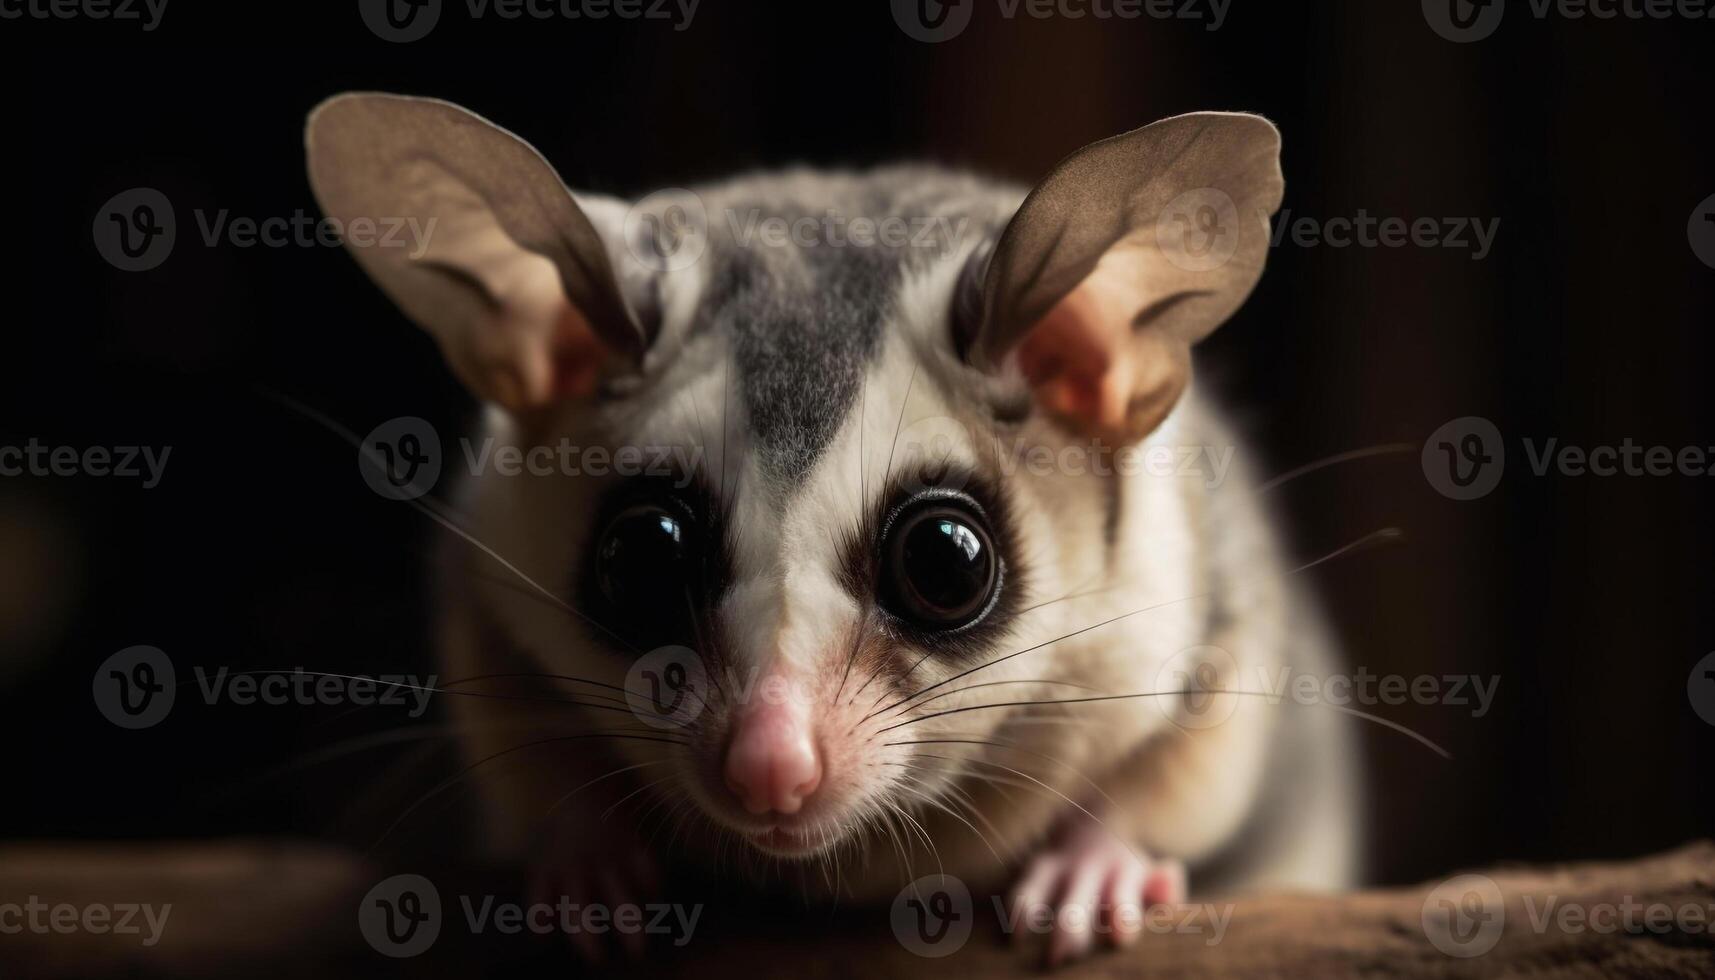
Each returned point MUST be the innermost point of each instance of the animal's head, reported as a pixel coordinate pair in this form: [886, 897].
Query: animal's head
[845, 400]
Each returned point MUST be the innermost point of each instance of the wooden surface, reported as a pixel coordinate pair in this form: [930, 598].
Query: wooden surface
[262, 909]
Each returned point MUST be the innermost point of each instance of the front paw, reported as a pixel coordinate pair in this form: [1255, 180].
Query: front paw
[596, 879]
[1086, 883]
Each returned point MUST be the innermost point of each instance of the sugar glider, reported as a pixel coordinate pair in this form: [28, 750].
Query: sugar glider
[907, 556]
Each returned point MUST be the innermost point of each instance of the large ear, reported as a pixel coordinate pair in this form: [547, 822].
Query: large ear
[1129, 252]
[500, 265]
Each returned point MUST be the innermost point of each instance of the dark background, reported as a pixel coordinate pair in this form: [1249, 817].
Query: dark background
[1588, 597]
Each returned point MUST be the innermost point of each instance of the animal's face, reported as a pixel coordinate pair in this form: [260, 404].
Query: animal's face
[833, 525]
[820, 544]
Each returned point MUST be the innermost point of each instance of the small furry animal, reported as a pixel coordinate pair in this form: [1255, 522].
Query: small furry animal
[892, 559]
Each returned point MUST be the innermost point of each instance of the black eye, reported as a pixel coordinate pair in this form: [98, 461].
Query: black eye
[643, 562]
[939, 567]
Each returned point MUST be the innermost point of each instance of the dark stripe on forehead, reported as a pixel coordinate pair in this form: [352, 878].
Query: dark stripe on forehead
[806, 317]
[805, 327]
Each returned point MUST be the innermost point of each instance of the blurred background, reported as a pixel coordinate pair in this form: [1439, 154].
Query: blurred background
[1587, 321]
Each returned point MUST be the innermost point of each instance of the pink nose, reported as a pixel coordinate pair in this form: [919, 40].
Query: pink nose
[771, 763]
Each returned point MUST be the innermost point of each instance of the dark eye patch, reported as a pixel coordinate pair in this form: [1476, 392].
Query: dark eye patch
[654, 563]
[949, 613]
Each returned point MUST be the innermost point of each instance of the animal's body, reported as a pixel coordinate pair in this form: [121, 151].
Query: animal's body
[924, 529]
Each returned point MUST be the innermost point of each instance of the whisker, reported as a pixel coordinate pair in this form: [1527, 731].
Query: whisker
[551, 602]
[1031, 649]
[563, 677]
[958, 795]
[1089, 700]
[1374, 537]
[702, 645]
[899, 844]
[887, 474]
[991, 779]
[726, 420]
[924, 833]
[1386, 533]
[1271, 696]
[1016, 748]
[413, 687]
[1396, 726]
[851, 658]
[697, 413]
[899, 426]
[427, 506]
[548, 814]
[928, 800]
[1290, 475]
[863, 458]
[454, 780]
[973, 687]
[644, 788]
[394, 736]
[1079, 806]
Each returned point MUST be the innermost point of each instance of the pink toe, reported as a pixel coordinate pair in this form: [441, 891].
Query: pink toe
[1074, 919]
[1123, 899]
[1166, 884]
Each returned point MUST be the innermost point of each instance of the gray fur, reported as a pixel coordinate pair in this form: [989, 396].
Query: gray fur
[805, 320]
[804, 325]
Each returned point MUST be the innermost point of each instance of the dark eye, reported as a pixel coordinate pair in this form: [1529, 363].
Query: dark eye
[939, 567]
[643, 562]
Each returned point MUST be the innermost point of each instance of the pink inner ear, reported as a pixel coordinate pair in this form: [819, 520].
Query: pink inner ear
[578, 355]
[1078, 358]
